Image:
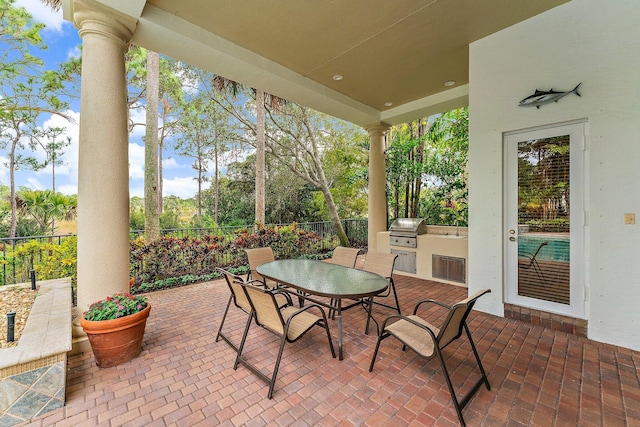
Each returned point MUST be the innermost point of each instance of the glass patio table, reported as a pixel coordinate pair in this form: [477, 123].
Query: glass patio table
[326, 280]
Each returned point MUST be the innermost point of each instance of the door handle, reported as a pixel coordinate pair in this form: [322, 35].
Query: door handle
[513, 239]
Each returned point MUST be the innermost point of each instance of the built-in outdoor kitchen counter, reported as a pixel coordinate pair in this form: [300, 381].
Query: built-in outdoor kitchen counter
[430, 252]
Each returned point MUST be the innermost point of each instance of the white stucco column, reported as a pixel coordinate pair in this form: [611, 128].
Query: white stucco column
[377, 182]
[103, 170]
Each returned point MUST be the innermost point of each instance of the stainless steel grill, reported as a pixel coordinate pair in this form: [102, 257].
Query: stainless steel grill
[404, 231]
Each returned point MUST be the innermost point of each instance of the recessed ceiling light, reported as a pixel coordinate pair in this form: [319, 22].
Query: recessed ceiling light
[449, 83]
[337, 77]
[388, 104]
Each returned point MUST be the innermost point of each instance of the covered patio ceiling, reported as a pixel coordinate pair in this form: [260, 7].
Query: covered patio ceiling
[394, 57]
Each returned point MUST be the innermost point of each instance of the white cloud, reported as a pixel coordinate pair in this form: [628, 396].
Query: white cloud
[44, 14]
[183, 187]
[4, 171]
[171, 163]
[138, 115]
[68, 188]
[74, 52]
[34, 184]
[136, 161]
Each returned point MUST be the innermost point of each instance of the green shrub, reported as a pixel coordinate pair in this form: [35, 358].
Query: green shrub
[175, 261]
[172, 261]
[287, 241]
[49, 260]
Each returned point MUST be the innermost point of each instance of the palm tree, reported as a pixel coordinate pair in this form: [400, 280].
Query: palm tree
[45, 206]
[55, 5]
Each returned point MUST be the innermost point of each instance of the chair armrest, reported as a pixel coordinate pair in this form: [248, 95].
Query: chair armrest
[256, 282]
[275, 291]
[305, 308]
[426, 301]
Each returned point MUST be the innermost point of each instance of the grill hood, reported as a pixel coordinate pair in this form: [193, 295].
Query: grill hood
[408, 226]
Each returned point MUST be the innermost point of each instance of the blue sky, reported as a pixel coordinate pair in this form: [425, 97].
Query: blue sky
[63, 41]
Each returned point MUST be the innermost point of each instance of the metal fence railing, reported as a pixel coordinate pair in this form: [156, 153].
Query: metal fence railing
[16, 264]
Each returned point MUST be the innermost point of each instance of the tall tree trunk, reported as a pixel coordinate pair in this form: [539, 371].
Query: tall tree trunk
[335, 218]
[53, 186]
[216, 185]
[160, 150]
[200, 179]
[419, 158]
[407, 196]
[12, 183]
[151, 214]
[260, 158]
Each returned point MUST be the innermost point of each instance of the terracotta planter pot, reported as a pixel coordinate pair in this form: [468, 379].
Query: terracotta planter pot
[116, 341]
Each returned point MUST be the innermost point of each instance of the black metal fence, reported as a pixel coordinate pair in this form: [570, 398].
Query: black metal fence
[15, 265]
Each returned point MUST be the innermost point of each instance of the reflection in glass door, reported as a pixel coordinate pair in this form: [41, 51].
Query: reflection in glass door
[544, 206]
[544, 219]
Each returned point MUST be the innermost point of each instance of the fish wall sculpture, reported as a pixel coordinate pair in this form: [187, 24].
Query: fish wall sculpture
[541, 97]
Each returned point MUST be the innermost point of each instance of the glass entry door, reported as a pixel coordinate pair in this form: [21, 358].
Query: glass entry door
[545, 219]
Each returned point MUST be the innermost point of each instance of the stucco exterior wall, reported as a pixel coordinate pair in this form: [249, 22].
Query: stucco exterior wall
[596, 42]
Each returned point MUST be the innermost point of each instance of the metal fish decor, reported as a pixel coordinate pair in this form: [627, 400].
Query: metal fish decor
[541, 97]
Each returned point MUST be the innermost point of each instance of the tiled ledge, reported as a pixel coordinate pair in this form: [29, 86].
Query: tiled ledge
[548, 320]
[33, 373]
[48, 329]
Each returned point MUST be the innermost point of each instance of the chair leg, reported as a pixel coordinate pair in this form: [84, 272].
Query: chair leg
[277, 366]
[326, 328]
[475, 353]
[454, 398]
[244, 338]
[332, 311]
[381, 336]
[395, 295]
[369, 316]
[224, 316]
[460, 404]
[538, 270]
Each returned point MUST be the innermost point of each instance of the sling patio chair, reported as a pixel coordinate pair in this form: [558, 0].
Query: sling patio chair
[289, 323]
[533, 262]
[239, 298]
[429, 341]
[382, 264]
[257, 257]
[344, 256]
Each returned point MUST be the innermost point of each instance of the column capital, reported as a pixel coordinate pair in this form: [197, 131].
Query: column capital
[90, 17]
[377, 128]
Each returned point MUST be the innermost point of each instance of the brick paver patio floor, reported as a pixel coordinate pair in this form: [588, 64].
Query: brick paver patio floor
[538, 376]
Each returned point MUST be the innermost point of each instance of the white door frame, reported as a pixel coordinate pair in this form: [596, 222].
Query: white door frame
[578, 183]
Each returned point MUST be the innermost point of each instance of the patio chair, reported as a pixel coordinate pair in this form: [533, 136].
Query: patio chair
[257, 257]
[344, 256]
[429, 341]
[382, 264]
[289, 323]
[533, 262]
[239, 299]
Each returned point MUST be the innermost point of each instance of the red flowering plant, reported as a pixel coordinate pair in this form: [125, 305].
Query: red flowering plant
[115, 306]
